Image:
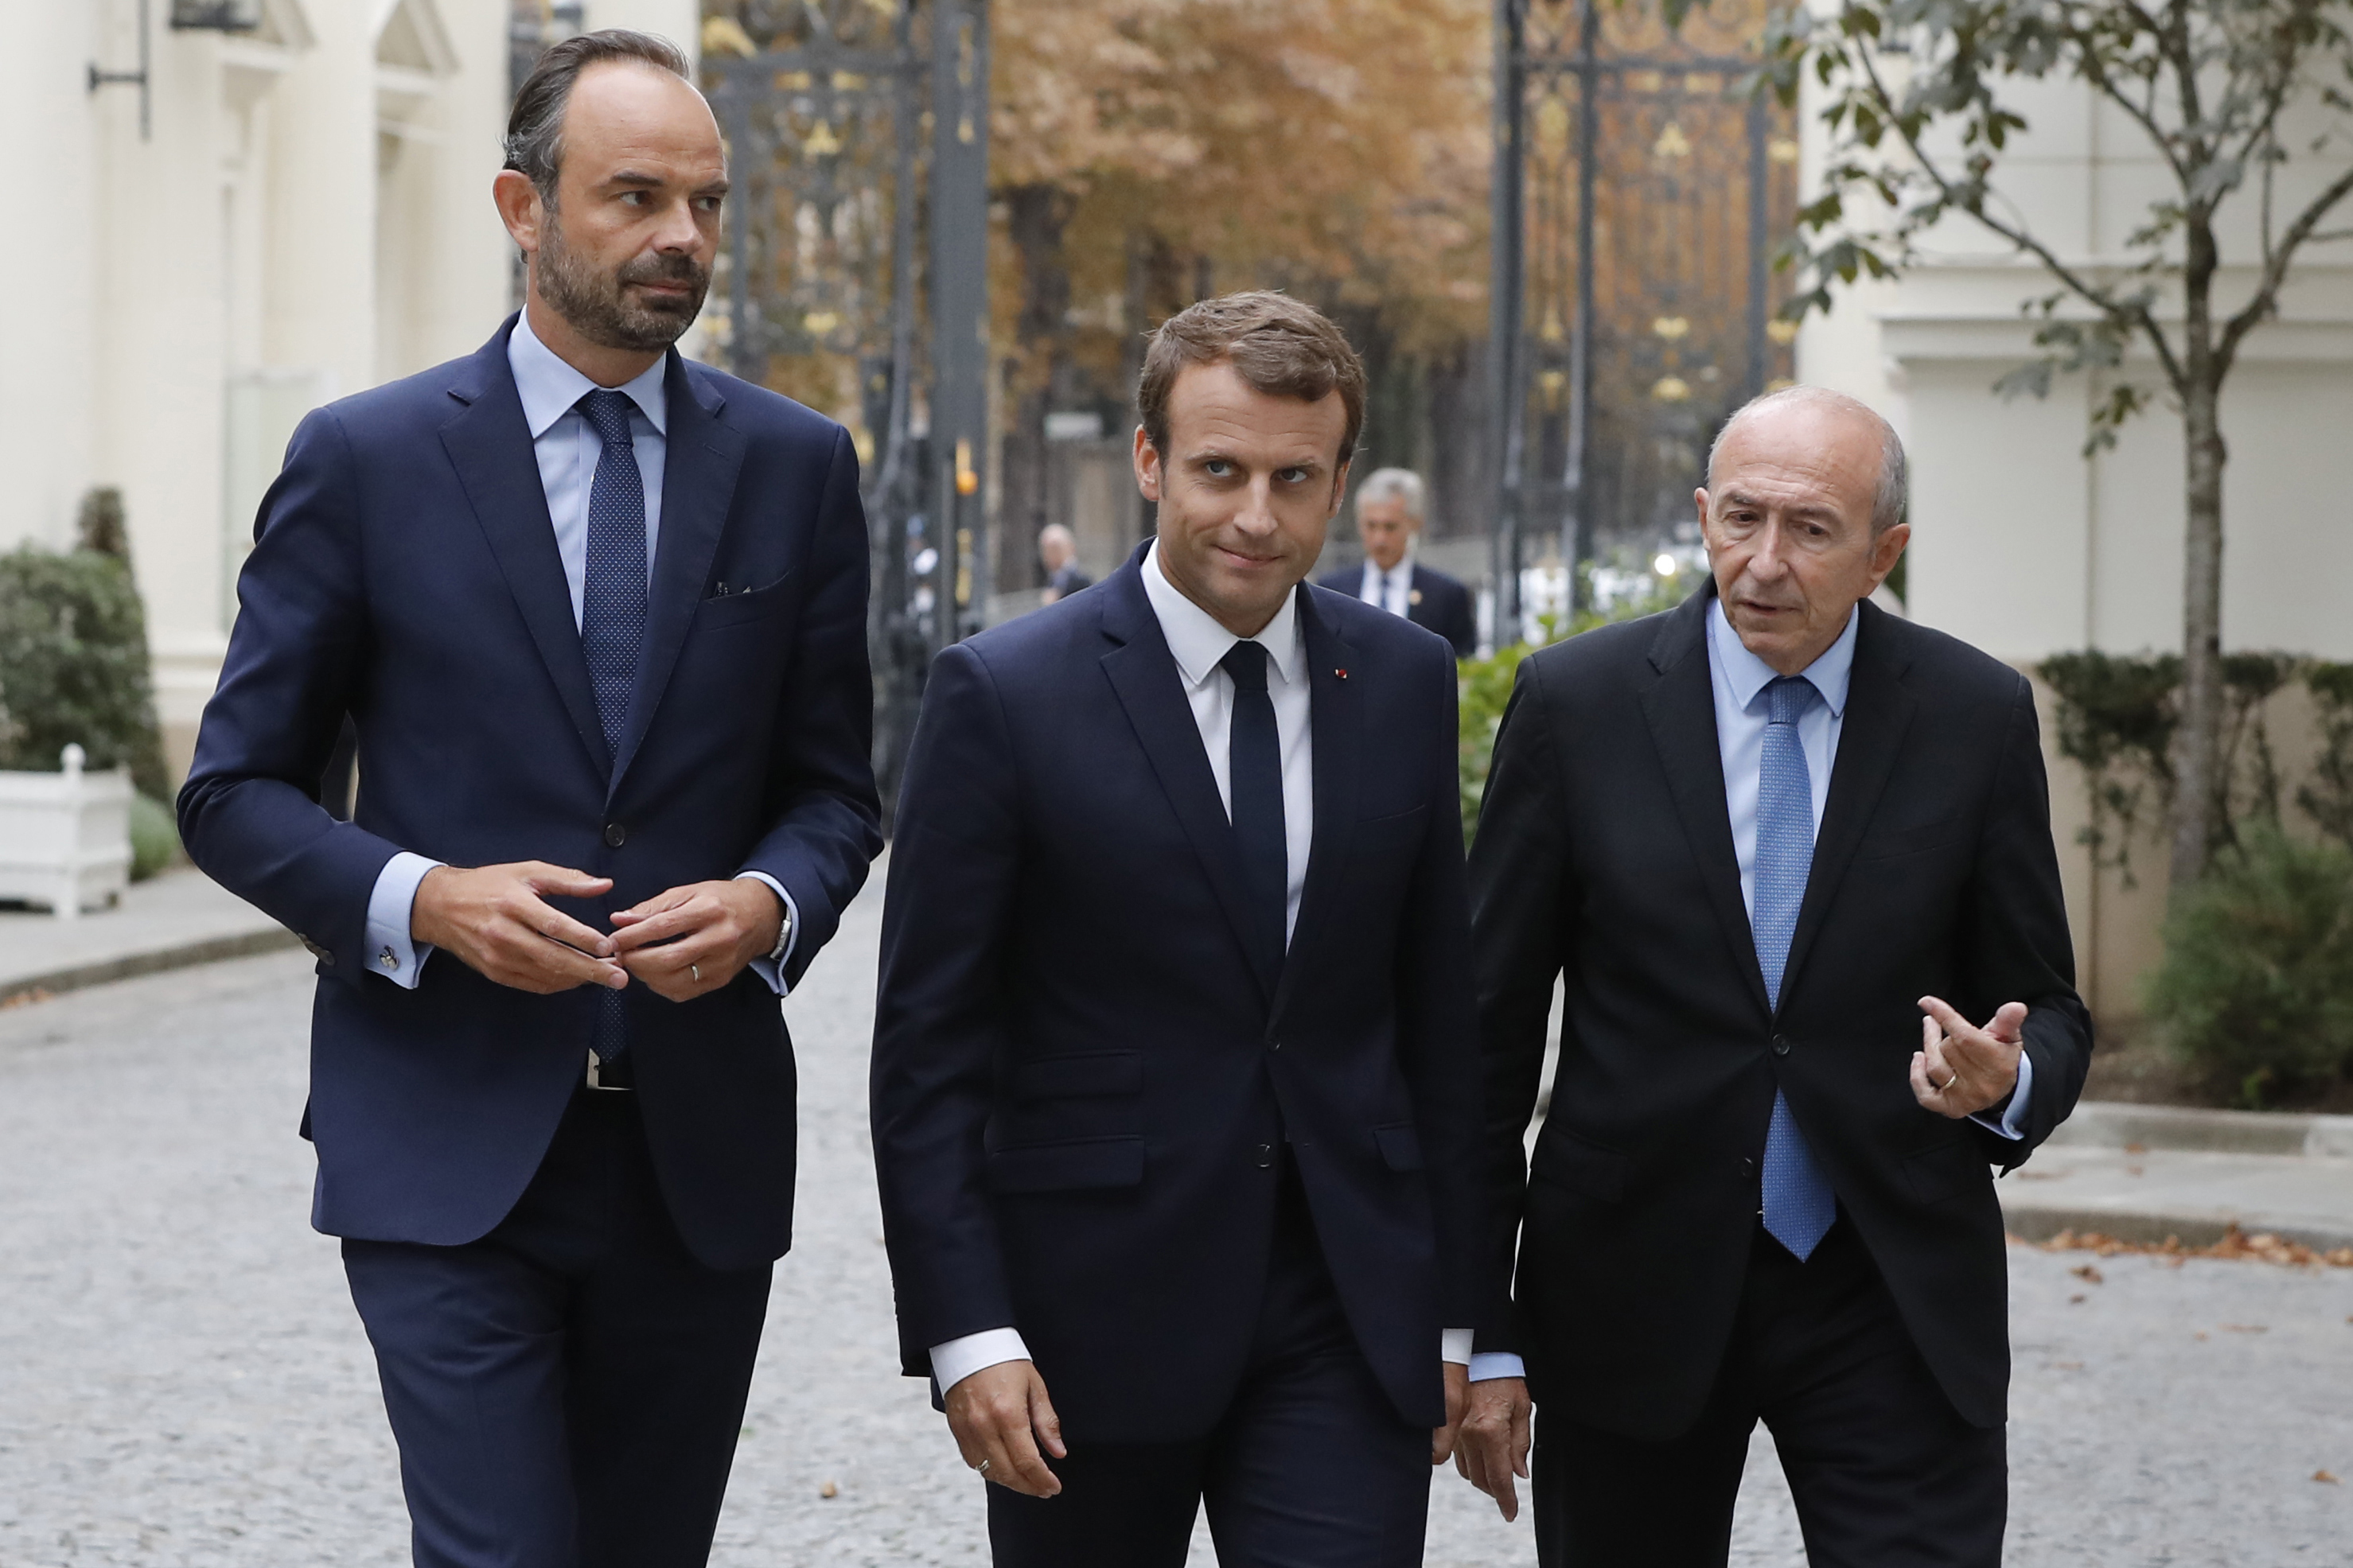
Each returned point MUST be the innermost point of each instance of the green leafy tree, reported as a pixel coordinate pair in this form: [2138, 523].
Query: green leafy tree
[2243, 108]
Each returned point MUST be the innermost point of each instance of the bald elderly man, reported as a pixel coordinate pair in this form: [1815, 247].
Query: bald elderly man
[1793, 857]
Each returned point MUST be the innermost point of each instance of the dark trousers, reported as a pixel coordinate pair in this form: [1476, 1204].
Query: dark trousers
[1884, 1473]
[567, 1391]
[1311, 1466]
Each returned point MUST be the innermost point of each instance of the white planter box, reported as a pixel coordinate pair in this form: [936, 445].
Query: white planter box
[65, 838]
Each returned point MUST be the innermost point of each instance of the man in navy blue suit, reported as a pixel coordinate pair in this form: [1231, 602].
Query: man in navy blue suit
[1174, 1108]
[599, 617]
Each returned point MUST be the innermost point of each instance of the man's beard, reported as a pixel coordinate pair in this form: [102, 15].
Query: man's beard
[602, 309]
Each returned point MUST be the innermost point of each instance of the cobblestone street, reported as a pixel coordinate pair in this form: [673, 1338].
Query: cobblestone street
[182, 1381]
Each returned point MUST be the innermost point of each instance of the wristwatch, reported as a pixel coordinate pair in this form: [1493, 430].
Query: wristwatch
[784, 934]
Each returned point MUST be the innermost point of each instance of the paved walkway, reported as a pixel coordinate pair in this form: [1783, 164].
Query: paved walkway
[183, 1383]
[166, 922]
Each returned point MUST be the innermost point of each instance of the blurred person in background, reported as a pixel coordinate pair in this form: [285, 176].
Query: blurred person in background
[1059, 553]
[1389, 520]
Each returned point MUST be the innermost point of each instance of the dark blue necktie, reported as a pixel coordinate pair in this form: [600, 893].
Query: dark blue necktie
[1799, 1207]
[1255, 780]
[613, 615]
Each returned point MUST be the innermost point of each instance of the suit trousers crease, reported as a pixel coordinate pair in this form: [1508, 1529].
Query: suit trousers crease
[1884, 1471]
[567, 1391]
[1311, 1466]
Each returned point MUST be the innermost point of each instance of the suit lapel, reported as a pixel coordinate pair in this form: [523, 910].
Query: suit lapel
[489, 445]
[701, 458]
[1145, 676]
[1336, 732]
[1680, 708]
[1878, 712]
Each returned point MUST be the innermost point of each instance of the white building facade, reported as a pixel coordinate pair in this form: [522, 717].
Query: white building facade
[277, 217]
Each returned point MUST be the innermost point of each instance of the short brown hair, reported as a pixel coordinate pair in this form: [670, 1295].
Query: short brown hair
[535, 125]
[1280, 347]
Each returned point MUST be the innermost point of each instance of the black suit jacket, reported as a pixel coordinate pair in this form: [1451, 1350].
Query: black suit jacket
[1436, 601]
[1605, 850]
[405, 572]
[1080, 1074]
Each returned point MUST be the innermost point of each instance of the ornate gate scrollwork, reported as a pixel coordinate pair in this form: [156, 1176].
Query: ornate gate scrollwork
[826, 105]
[1638, 195]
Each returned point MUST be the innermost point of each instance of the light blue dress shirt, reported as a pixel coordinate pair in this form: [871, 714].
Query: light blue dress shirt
[568, 448]
[1738, 678]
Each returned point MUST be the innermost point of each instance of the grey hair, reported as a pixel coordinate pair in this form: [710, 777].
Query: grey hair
[534, 145]
[1391, 484]
[1890, 501]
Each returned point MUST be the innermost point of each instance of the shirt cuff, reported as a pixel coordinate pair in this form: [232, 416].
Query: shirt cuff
[956, 1359]
[773, 970]
[1454, 1345]
[393, 953]
[1488, 1365]
[2013, 1117]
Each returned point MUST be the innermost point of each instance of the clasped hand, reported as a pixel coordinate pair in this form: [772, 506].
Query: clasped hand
[1960, 1069]
[682, 943]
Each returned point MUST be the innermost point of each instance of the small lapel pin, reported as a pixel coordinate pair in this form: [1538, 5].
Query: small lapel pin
[1414, 597]
[1342, 674]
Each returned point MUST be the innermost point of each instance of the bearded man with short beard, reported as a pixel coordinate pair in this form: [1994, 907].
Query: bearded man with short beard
[598, 614]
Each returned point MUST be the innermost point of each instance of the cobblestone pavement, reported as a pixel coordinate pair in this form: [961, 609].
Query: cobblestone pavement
[183, 1382]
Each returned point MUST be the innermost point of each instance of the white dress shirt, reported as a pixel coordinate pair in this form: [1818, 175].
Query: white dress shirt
[1197, 642]
[1391, 590]
[1738, 678]
[568, 449]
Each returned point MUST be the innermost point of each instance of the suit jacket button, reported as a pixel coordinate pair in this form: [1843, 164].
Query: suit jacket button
[1274, 1045]
[1265, 1156]
[616, 836]
[1781, 1044]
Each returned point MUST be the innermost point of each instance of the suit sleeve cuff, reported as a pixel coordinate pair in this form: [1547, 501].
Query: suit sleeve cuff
[393, 953]
[772, 970]
[956, 1359]
[2011, 1123]
[1488, 1365]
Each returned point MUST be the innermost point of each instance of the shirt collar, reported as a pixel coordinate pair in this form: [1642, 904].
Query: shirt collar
[1748, 675]
[1400, 572]
[1197, 642]
[549, 387]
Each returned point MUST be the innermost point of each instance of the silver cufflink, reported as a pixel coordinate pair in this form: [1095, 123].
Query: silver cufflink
[388, 960]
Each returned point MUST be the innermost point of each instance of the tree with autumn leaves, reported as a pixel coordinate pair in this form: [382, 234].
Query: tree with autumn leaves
[1146, 152]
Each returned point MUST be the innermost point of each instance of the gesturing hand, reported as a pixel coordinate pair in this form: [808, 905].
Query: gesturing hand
[1494, 1445]
[495, 920]
[694, 939]
[1960, 1069]
[1001, 1417]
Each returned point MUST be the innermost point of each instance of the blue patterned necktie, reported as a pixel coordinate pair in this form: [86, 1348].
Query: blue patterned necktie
[1799, 1207]
[1254, 779]
[613, 615]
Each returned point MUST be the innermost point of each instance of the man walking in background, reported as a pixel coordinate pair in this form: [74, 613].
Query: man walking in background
[1058, 552]
[1389, 520]
[1175, 1089]
[1759, 837]
[598, 614]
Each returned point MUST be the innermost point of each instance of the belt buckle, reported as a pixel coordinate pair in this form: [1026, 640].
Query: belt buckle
[596, 1081]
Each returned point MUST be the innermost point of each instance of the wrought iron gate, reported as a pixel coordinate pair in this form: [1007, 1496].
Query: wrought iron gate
[1638, 193]
[857, 130]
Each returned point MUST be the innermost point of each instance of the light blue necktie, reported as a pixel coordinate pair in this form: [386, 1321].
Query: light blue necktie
[1799, 1207]
[613, 615]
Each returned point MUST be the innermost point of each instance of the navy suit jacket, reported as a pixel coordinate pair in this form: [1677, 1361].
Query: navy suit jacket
[1436, 601]
[405, 572]
[1080, 1074]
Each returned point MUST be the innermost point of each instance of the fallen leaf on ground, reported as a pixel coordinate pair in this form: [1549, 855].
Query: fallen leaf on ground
[829, 1489]
[2086, 1271]
[2236, 1245]
[2324, 1476]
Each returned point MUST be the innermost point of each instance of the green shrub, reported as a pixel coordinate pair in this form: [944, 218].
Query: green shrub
[154, 836]
[73, 666]
[1486, 688]
[2256, 985]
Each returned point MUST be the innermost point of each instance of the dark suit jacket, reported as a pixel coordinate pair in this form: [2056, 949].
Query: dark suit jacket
[405, 570]
[1604, 849]
[1436, 601]
[1080, 1074]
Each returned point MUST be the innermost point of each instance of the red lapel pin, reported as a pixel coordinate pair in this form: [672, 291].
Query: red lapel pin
[1341, 673]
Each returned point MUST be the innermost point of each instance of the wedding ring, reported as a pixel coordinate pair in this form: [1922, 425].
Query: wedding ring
[695, 970]
[981, 1468]
[1948, 1083]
